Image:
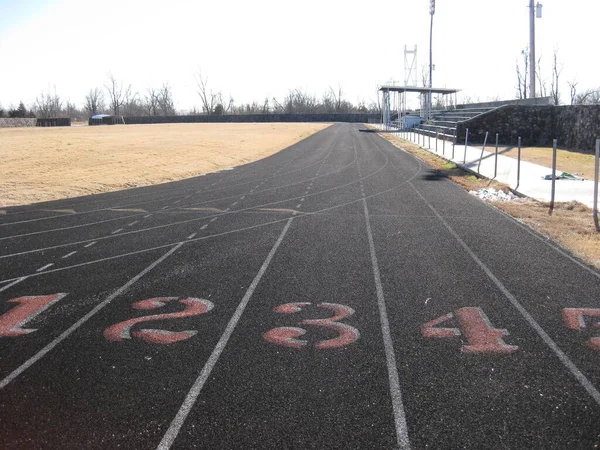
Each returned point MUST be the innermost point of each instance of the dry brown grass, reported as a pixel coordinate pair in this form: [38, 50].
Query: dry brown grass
[51, 163]
[566, 160]
[571, 224]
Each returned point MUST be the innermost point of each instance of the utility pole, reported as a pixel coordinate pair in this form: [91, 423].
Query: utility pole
[431, 13]
[534, 11]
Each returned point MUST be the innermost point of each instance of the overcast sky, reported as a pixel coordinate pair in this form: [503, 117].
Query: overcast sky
[254, 49]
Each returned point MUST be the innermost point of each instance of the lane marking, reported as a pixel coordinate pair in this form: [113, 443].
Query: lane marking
[286, 210]
[64, 211]
[134, 210]
[203, 227]
[90, 244]
[145, 217]
[117, 231]
[213, 219]
[192, 235]
[192, 396]
[242, 197]
[233, 204]
[298, 205]
[132, 223]
[207, 209]
[402, 438]
[45, 267]
[65, 334]
[164, 207]
[177, 201]
[562, 356]
[17, 281]
[69, 254]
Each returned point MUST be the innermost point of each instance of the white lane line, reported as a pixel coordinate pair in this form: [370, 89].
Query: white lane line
[176, 202]
[44, 267]
[562, 356]
[65, 334]
[90, 244]
[132, 223]
[164, 207]
[17, 281]
[302, 199]
[203, 227]
[213, 219]
[192, 396]
[394, 379]
[69, 254]
[226, 209]
[145, 217]
[298, 205]
[242, 197]
[117, 231]
[233, 204]
[191, 236]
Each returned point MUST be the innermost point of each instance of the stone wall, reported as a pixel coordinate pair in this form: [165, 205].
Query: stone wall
[575, 127]
[354, 118]
[16, 122]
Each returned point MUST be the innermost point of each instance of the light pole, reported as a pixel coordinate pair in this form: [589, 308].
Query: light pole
[534, 11]
[431, 13]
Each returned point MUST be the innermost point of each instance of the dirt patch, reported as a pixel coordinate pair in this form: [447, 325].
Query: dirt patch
[571, 224]
[41, 164]
[581, 164]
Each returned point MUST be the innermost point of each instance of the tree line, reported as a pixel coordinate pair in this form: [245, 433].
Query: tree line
[118, 98]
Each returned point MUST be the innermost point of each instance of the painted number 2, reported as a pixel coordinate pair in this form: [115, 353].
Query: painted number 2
[193, 307]
[12, 322]
[476, 328]
[288, 336]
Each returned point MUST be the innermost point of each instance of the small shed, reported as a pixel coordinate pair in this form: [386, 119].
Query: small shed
[106, 119]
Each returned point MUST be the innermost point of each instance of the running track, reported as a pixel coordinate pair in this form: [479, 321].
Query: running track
[336, 295]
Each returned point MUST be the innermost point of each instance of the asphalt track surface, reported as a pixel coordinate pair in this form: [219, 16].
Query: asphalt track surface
[336, 295]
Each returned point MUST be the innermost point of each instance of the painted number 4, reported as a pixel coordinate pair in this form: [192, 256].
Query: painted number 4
[476, 329]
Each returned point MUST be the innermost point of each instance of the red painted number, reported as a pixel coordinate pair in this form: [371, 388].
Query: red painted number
[476, 329]
[122, 330]
[288, 336]
[574, 318]
[12, 322]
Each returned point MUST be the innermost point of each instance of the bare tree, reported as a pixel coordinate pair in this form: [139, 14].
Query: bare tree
[556, 71]
[132, 105]
[116, 96]
[151, 102]
[94, 101]
[48, 105]
[165, 100]
[588, 97]
[573, 90]
[541, 81]
[522, 74]
[208, 97]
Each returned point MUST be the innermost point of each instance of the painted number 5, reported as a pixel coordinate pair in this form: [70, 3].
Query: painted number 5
[288, 336]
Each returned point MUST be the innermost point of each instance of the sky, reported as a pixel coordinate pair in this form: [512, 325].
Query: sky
[256, 49]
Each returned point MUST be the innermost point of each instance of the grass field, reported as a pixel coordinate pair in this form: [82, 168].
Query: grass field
[567, 161]
[51, 163]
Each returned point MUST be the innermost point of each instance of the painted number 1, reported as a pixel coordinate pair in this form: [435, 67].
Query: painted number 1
[475, 327]
[288, 336]
[12, 322]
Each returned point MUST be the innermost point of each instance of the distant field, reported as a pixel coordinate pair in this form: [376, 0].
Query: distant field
[50, 163]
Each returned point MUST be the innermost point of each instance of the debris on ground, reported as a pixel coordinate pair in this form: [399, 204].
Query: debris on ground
[492, 194]
[564, 176]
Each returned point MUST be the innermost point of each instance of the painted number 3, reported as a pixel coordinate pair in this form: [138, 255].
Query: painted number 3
[288, 336]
